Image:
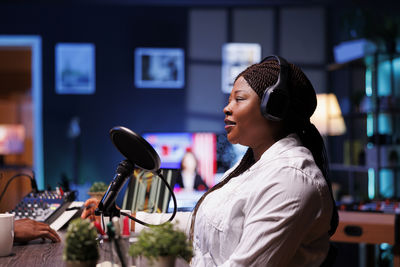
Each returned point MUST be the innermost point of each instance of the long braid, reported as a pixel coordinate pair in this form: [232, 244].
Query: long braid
[312, 139]
[246, 162]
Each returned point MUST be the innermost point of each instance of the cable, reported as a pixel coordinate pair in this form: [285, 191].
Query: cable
[172, 194]
[173, 198]
[12, 178]
[33, 182]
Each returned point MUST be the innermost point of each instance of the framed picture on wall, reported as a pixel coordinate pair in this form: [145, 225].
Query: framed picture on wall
[235, 58]
[75, 68]
[159, 68]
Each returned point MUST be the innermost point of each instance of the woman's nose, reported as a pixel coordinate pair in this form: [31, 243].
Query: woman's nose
[227, 110]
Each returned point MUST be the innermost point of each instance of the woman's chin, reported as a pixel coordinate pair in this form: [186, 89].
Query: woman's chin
[232, 140]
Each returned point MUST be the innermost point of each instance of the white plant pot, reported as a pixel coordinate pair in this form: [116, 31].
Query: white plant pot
[167, 261]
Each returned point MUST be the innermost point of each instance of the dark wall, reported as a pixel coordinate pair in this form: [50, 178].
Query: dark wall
[116, 31]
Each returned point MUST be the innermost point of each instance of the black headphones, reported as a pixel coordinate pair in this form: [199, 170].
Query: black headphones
[276, 99]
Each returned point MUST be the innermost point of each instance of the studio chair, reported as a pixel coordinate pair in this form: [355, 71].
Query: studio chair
[146, 192]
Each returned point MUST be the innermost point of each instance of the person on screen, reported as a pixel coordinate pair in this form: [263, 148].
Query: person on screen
[275, 206]
[188, 178]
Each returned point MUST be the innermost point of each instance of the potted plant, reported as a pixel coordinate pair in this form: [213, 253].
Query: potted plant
[81, 248]
[97, 190]
[160, 246]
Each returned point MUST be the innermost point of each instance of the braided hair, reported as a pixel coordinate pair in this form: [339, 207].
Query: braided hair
[303, 102]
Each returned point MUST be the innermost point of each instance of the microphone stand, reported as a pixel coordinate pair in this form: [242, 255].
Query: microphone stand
[110, 212]
[114, 237]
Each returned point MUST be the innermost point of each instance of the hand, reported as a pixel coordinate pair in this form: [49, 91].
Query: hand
[90, 206]
[26, 230]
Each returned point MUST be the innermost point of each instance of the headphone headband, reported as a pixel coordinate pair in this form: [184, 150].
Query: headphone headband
[275, 101]
[281, 60]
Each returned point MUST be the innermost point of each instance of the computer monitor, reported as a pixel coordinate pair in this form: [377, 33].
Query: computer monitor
[12, 137]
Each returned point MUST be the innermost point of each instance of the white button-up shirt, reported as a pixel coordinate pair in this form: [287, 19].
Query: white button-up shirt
[277, 213]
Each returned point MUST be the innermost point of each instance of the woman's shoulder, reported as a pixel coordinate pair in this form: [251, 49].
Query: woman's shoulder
[294, 168]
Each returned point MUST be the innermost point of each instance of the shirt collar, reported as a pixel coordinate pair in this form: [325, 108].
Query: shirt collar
[277, 148]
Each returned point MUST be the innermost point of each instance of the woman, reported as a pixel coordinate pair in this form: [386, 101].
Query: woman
[188, 178]
[274, 207]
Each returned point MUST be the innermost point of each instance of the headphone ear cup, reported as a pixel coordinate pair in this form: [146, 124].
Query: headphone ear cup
[264, 102]
[274, 104]
[275, 101]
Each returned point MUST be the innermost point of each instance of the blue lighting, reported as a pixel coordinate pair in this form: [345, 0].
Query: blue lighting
[385, 124]
[370, 124]
[384, 83]
[384, 79]
[371, 183]
[386, 183]
[35, 43]
[368, 82]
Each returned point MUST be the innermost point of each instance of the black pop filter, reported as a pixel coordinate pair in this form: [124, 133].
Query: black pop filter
[135, 148]
[138, 153]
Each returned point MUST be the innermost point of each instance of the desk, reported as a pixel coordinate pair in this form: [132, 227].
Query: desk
[369, 228]
[36, 254]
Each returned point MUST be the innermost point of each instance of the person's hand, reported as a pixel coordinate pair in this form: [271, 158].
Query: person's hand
[26, 230]
[89, 208]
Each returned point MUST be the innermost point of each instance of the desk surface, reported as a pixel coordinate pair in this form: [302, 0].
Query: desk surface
[50, 254]
[35, 254]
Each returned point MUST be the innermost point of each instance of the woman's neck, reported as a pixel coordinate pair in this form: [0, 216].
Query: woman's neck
[259, 149]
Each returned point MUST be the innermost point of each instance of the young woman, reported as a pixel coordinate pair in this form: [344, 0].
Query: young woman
[274, 207]
[188, 178]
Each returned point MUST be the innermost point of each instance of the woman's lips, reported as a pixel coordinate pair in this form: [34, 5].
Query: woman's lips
[229, 125]
[228, 128]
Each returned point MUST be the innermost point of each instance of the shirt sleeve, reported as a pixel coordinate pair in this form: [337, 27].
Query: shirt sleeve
[181, 219]
[276, 221]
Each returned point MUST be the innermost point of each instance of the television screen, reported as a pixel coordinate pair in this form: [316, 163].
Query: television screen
[214, 154]
[171, 148]
[213, 151]
[12, 138]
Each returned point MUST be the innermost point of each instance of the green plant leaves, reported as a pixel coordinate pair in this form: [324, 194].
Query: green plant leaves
[162, 240]
[80, 241]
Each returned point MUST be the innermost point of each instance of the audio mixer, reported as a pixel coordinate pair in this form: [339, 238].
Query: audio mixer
[44, 206]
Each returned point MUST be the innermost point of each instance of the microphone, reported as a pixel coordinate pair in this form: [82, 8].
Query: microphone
[138, 153]
[123, 172]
